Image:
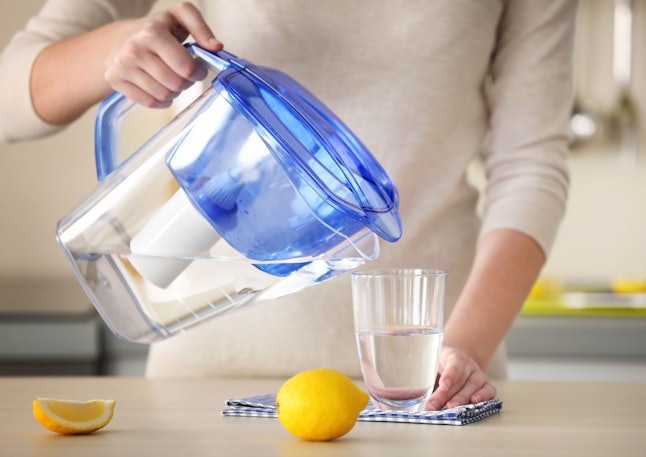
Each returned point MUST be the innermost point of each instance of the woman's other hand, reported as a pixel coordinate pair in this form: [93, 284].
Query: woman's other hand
[461, 381]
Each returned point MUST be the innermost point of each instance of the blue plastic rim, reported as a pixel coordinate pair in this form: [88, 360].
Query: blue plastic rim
[314, 146]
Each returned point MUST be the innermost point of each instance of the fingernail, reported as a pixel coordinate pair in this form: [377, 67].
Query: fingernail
[201, 74]
[214, 42]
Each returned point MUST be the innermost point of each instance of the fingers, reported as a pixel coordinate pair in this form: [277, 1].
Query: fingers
[190, 18]
[454, 372]
[152, 66]
[486, 392]
[178, 22]
[475, 382]
[144, 76]
[132, 89]
[461, 382]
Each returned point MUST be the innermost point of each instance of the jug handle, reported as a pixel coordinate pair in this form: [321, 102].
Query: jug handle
[117, 106]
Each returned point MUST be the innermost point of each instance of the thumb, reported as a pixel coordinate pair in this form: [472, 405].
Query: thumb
[191, 19]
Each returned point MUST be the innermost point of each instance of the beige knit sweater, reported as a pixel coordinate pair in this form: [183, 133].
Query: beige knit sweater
[428, 86]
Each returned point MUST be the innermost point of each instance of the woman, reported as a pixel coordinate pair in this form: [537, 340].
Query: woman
[429, 86]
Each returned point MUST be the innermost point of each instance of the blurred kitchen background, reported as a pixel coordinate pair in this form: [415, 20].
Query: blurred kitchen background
[572, 328]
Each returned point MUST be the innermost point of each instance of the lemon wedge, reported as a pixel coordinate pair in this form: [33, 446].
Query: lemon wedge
[73, 417]
[319, 404]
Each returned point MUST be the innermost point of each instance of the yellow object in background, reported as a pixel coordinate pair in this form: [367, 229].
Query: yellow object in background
[320, 404]
[624, 297]
[628, 285]
[545, 288]
[72, 417]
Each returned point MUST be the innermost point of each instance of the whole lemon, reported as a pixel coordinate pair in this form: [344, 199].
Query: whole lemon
[319, 404]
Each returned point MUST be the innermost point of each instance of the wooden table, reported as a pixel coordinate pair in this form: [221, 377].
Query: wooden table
[181, 418]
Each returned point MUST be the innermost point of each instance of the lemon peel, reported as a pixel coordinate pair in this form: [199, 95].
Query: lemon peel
[320, 404]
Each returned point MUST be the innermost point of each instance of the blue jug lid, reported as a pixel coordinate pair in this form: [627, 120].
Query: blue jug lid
[310, 141]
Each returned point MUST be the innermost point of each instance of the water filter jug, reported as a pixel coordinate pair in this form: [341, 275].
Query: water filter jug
[255, 191]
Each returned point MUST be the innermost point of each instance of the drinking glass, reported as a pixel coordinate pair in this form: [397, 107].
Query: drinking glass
[399, 324]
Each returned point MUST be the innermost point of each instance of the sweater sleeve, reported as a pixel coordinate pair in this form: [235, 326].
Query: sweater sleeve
[530, 95]
[57, 20]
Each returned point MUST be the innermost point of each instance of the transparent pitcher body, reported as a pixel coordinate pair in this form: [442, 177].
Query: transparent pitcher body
[151, 262]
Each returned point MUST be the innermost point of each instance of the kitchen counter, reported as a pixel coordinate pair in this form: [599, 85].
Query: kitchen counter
[182, 418]
[573, 329]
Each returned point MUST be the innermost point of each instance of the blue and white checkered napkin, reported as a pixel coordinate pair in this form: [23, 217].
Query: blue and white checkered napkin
[265, 406]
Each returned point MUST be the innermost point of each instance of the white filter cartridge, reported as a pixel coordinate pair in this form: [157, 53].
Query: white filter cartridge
[163, 247]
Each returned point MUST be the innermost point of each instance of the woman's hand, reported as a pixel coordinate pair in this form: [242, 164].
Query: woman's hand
[142, 58]
[150, 66]
[461, 381]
